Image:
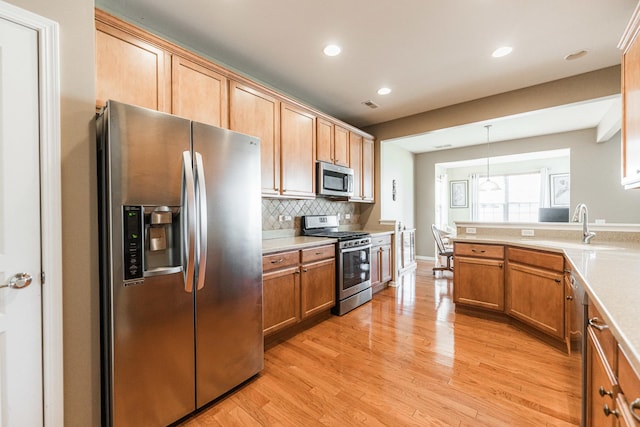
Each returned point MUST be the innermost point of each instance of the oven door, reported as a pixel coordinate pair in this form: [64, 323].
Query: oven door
[354, 273]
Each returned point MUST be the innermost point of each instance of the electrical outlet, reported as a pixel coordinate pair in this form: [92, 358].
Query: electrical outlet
[347, 216]
[470, 230]
[527, 233]
[280, 218]
[600, 221]
[287, 217]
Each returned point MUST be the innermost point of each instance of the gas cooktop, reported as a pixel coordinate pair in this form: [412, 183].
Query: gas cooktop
[327, 226]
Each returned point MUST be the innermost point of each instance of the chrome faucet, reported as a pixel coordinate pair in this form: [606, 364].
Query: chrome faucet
[581, 214]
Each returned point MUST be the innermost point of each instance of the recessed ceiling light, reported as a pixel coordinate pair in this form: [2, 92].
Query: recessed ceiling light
[332, 50]
[575, 55]
[384, 91]
[502, 51]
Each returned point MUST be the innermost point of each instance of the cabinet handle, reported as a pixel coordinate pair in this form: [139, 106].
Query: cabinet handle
[633, 406]
[478, 251]
[608, 411]
[296, 272]
[594, 323]
[304, 270]
[277, 261]
[569, 298]
[602, 392]
[558, 280]
[318, 253]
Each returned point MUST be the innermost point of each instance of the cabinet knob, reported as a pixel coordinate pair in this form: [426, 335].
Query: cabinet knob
[602, 392]
[558, 280]
[569, 298]
[608, 411]
[304, 270]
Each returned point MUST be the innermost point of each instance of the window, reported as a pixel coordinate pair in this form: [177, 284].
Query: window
[517, 200]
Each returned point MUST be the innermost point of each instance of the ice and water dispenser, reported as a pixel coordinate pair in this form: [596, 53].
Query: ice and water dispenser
[151, 238]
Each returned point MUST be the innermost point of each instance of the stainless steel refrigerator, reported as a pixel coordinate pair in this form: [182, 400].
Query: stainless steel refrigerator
[181, 269]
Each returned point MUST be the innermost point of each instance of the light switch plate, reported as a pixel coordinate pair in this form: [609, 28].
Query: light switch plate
[470, 230]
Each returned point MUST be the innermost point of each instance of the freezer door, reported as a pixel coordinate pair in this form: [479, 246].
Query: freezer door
[148, 352]
[229, 340]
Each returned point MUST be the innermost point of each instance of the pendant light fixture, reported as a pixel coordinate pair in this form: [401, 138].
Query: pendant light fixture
[488, 184]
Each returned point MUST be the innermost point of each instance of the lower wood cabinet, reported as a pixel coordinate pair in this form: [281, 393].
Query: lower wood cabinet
[600, 386]
[297, 285]
[478, 280]
[535, 290]
[381, 262]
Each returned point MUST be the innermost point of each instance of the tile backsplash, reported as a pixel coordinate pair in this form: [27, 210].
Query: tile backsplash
[272, 209]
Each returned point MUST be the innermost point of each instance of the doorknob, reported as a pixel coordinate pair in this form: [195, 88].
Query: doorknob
[18, 281]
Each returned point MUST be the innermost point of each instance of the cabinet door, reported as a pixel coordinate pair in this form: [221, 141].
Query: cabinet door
[479, 282]
[341, 146]
[129, 70]
[386, 266]
[298, 147]
[318, 287]
[198, 93]
[628, 402]
[355, 163]
[281, 299]
[324, 141]
[600, 387]
[258, 114]
[631, 115]
[536, 297]
[376, 265]
[367, 170]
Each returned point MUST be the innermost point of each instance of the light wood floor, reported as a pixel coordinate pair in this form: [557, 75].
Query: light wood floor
[407, 358]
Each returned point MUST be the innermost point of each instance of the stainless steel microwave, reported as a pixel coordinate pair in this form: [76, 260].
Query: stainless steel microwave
[334, 180]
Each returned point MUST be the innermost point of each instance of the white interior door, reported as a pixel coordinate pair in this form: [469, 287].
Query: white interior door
[21, 390]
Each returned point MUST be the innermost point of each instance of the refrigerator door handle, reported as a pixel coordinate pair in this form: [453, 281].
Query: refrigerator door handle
[188, 221]
[203, 218]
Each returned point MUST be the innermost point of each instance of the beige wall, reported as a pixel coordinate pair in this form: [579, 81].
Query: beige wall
[79, 212]
[396, 164]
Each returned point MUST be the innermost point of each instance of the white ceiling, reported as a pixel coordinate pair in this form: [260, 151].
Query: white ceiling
[431, 53]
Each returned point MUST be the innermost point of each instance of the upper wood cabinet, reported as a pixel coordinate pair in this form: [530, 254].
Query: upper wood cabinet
[256, 113]
[297, 152]
[631, 103]
[332, 143]
[198, 93]
[355, 163]
[368, 169]
[129, 69]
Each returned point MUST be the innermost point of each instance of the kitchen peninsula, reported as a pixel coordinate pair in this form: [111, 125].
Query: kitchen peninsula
[608, 268]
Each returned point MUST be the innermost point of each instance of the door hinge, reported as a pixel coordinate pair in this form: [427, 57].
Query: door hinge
[42, 277]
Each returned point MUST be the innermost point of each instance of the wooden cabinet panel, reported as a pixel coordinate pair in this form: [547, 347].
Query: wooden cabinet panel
[386, 264]
[325, 141]
[298, 146]
[341, 146]
[600, 386]
[546, 260]
[281, 299]
[317, 253]
[603, 335]
[129, 70]
[479, 282]
[318, 287]
[367, 170]
[628, 402]
[198, 93]
[479, 250]
[536, 297]
[355, 163]
[258, 114]
[280, 260]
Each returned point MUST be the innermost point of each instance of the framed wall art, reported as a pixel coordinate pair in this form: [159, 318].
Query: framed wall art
[559, 190]
[458, 194]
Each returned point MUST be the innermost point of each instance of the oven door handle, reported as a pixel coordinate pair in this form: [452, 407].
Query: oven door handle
[355, 248]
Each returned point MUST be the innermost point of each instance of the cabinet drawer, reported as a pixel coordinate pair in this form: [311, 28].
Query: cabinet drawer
[381, 240]
[603, 335]
[546, 260]
[317, 253]
[479, 250]
[280, 260]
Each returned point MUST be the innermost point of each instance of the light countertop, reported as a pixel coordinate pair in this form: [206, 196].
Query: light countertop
[610, 273]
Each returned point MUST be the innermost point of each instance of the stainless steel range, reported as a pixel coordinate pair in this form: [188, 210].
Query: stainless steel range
[353, 261]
